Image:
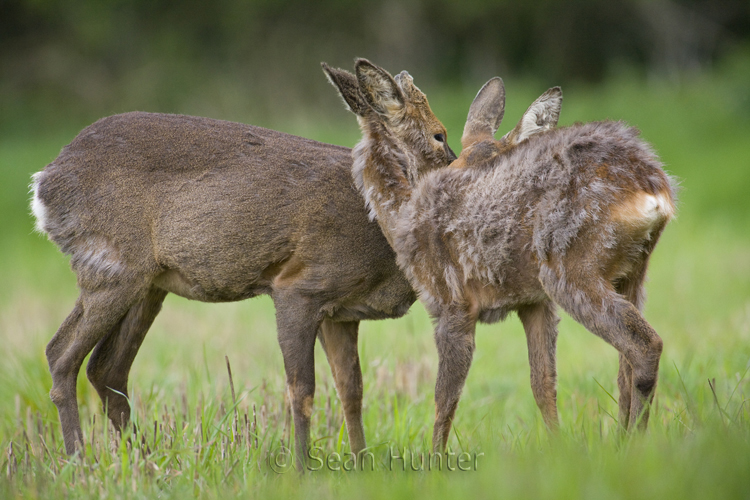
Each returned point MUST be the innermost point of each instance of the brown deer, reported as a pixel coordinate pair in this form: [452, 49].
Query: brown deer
[147, 204]
[569, 216]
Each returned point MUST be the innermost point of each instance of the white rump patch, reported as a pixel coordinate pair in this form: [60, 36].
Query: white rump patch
[646, 208]
[655, 207]
[37, 207]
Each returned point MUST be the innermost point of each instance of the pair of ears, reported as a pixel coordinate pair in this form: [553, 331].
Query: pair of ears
[487, 110]
[373, 89]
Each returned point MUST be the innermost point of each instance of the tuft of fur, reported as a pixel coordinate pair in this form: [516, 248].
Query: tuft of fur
[37, 205]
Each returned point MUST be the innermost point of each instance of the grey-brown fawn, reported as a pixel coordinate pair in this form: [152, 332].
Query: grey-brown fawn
[147, 204]
[568, 217]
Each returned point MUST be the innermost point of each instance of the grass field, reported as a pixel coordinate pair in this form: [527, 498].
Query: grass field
[188, 441]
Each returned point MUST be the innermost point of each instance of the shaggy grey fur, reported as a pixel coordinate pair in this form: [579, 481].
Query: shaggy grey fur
[551, 187]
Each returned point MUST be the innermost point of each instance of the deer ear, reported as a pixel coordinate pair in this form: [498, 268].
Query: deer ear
[379, 88]
[485, 114]
[542, 115]
[348, 87]
[411, 92]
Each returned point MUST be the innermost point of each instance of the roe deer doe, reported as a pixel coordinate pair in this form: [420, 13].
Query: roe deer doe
[147, 204]
[569, 216]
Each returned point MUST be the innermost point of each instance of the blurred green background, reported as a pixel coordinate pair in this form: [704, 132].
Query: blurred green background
[679, 70]
[66, 61]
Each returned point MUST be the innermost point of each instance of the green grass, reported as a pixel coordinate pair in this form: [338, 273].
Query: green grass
[697, 445]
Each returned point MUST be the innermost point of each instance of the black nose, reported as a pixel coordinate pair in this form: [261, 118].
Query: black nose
[450, 153]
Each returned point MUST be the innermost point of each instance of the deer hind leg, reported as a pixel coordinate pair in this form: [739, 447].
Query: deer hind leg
[630, 287]
[595, 304]
[297, 321]
[454, 336]
[109, 365]
[339, 341]
[540, 323]
[95, 314]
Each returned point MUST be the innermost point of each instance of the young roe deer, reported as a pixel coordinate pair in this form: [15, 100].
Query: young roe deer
[147, 204]
[569, 216]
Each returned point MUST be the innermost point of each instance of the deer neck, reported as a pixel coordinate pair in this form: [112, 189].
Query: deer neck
[380, 173]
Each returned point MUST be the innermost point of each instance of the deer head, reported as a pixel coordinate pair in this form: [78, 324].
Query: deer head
[394, 111]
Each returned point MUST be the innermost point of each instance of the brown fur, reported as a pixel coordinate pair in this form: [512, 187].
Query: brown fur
[147, 204]
[566, 216]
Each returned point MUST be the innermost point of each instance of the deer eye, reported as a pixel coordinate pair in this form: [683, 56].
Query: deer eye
[439, 137]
